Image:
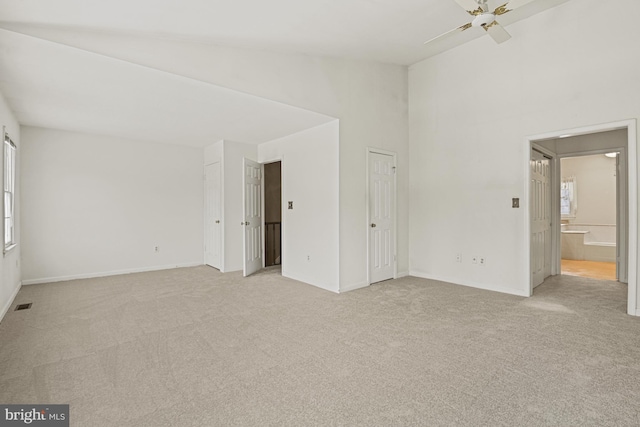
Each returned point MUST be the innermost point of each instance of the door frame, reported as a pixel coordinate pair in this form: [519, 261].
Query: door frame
[275, 159]
[204, 219]
[282, 205]
[622, 228]
[394, 211]
[632, 202]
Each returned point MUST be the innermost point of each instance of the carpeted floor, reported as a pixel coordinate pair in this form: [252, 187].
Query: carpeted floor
[193, 347]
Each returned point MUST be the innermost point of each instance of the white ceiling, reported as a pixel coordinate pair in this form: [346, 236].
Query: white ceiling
[49, 84]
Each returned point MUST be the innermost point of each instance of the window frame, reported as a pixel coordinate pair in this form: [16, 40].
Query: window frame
[9, 158]
[570, 185]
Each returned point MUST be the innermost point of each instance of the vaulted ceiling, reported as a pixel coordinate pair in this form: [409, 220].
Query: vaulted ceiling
[74, 86]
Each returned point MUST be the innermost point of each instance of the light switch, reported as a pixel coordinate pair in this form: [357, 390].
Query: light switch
[515, 202]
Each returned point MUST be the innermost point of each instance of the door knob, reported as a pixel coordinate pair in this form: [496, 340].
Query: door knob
[245, 223]
[373, 225]
[217, 221]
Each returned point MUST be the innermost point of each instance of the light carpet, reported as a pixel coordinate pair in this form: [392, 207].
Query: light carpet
[194, 347]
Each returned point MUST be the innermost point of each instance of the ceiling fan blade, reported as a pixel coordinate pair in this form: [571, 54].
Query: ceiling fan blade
[497, 32]
[450, 33]
[514, 4]
[467, 4]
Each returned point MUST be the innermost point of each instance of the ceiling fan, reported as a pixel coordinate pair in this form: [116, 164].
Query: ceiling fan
[484, 18]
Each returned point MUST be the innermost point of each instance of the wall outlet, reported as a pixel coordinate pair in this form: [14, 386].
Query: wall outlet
[482, 261]
[458, 257]
[309, 258]
[157, 249]
[474, 260]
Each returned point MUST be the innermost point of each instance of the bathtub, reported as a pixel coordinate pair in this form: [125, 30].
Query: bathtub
[589, 242]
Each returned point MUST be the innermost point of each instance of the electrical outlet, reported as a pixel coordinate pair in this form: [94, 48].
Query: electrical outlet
[157, 249]
[458, 257]
[308, 257]
[474, 260]
[483, 261]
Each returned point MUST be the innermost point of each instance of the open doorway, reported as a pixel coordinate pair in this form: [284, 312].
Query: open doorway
[273, 214]
[588, 209]
[619, 137]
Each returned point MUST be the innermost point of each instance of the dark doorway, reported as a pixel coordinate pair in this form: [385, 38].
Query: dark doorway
[273, 213]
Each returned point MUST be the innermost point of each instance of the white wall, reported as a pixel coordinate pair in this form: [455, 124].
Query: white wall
[471, 110]
[310, 179]
[369, 99]
[95, 205]
[596, 188]
[10, 263]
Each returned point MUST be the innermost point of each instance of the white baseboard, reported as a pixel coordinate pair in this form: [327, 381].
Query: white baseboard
[483, 286]
[9, 303]
[353, 287]
[360, 285]
[308, 281]
[107, 273]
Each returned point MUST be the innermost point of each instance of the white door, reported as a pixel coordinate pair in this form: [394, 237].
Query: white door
[212, 240]
[252, 193]
[540, 218]
[381, 217]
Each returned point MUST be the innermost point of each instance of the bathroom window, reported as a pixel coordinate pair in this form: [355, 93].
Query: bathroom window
[568, 193]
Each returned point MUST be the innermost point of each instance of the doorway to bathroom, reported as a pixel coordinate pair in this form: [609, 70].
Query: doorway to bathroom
[589, 205]
[618, 137]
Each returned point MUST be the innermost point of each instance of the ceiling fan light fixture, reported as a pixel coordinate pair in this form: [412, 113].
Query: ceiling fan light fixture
[483, 20]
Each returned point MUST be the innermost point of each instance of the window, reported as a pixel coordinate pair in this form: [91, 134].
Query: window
[568, 202]
[9, 192]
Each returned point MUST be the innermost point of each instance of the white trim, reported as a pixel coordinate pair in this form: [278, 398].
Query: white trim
[276, 159]
[353, 287]
[477, 285]
[370, 150]
[6, 138]
[632, 179]
[403, 273]
[304, 280]
[589, 152]
[8, 248]
[9, 303]
[204, 216]
[632, 192]
[109, 273]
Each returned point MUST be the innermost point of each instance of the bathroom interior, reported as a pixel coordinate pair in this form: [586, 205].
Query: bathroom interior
[588, 213]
